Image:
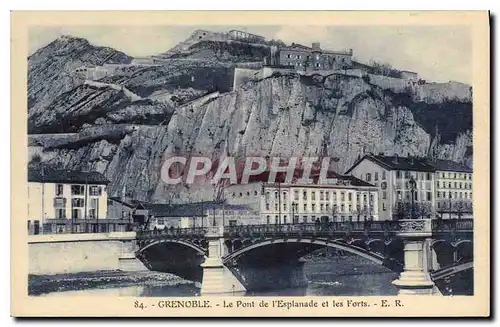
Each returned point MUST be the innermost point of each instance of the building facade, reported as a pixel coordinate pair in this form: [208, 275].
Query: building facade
[314, 58]
[433, 183]
[245, 36]
[285, 203]
[59, 200]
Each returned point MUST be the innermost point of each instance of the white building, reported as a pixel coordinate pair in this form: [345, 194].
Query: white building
[65, 200]
[392, 175]
[348, 198]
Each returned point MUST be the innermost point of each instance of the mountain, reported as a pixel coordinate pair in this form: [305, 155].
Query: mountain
[127, 124]
[51, 69]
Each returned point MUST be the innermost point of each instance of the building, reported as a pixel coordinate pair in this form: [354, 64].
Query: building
[61, 201]
[199, 214]
[313, 58]
[453, 189]
[393, 175]
[346, 198]
[245, 36]
[410, 76]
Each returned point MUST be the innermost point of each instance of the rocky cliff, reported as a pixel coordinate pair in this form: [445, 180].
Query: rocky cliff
[185, 107]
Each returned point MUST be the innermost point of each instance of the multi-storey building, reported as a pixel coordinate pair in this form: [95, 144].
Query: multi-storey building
[313, 58]
[61, 201]
[394, 175]
[347, 198]
[453, 189]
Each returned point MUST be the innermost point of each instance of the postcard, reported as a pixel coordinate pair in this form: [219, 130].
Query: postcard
[244, 164]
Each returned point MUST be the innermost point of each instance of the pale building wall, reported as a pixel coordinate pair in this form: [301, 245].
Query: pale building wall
[383, 180]
[41, 201]
[459, 185]
[315, 201]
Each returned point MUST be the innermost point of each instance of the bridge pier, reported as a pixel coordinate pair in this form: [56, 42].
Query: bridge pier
[217, 278]
[415, 278]
[128, 261]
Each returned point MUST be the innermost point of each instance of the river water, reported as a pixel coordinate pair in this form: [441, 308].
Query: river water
[348, 276]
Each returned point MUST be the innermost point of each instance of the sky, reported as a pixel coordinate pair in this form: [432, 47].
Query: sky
[437, 53]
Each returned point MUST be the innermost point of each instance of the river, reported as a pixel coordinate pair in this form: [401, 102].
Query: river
[344, 276]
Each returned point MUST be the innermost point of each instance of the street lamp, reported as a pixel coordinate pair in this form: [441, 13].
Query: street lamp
[413, 186]
[293, 212]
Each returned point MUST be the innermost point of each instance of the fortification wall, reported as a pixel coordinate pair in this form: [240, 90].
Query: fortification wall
[243, 76]
[396, 85]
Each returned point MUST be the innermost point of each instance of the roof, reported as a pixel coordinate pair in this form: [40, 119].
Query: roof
[412, 164]
[188, 209]
[448, 165]
[128, 203]
[63, 176]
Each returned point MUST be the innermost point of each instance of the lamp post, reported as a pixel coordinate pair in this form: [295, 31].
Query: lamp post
[413, 186]
[293, 212]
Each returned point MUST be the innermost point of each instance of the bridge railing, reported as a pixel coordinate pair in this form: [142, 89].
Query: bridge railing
[172, 232]
[446, 225]
[437, 225]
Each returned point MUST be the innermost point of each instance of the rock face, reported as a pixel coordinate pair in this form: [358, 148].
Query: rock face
[339, 116]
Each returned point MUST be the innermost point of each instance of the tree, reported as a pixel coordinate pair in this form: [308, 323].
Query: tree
[405, 210]
[385, 69]
[462, 207]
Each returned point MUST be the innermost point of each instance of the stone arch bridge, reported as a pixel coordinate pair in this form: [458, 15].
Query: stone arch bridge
[425, 253]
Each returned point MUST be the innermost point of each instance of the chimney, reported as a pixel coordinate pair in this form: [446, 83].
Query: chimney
[316, 46]
[395, 158]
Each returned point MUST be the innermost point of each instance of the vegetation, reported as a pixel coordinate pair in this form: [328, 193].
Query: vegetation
[385, 69]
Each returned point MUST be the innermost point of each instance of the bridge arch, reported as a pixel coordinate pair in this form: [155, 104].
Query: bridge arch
[191, 245]
[337, 244]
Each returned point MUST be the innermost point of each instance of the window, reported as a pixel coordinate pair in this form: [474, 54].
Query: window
[276, 195]
[327, 195]
[267, 196]
[321, 207]
[384, 208]
[384, 195]
[276, 220]
[350, 208]
[276, 207]
[161, 221]
[439, 205]
[60, 202]
[327, 207]
[342, 196]
[284, 206]
[399, 195]
[248, 193]
[304, 219]
[304, 195]
[398, 173]
[289, 56]
[59, 189]
[349, 196]
[460, 185]
[296, 195]
[77, 203]
[429, 196]
[285, 195]
[60, 214]
[429, 176]
[317, 58]
[267, 206]
[313, 207]
[241, 194]
[313, 195]
[321, 195]
[438, 195]
[460, 195]
[255, 193]
[284, 219]
[77, 189]
[95, 190]
[438, 184]
[76, 213]
[268, 220]
[407, 174]
[305, 207]
[376, 176]
[383, 175]
[317, 64]
[449, 184]
[342, 207]
[368, 177]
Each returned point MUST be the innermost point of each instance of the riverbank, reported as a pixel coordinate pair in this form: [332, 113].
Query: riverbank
[42, 284]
